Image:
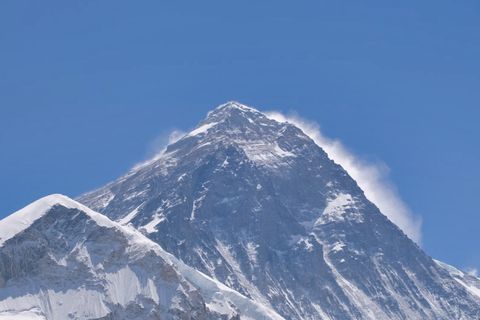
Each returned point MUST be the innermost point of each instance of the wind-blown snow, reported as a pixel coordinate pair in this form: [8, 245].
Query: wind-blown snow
[372, 178]
[472, 271]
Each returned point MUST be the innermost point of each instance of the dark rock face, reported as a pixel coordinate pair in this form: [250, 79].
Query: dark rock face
[259, 206]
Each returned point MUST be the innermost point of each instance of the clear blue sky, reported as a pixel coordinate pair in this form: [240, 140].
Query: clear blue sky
[86, 86]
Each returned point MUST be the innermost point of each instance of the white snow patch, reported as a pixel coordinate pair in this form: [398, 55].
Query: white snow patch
[135, 194]
[78, 303]
[206, 261]
[198, 201]
[320, 312]
[123, 287]
[195, 205]
[202, 129]
[22, 315]
[299, 239]
[129, 216]
[338, 246]
[151, 226]
[252, 252]
[225, 163]
[265, 153]
[338, 209]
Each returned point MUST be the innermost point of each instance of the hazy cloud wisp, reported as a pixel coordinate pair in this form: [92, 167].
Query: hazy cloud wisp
[158, 145]
[371, 177]
[472, 272]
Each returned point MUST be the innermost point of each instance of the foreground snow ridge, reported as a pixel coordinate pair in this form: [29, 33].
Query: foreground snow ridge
[131, 283]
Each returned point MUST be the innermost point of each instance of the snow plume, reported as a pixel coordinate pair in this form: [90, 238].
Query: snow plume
[162, 141]
[472, 272]
[372, 178]
[157, 147]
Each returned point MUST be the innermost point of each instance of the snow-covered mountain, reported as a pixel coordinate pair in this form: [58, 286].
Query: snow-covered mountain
[257, 205]
[244, 217]
[61, 260]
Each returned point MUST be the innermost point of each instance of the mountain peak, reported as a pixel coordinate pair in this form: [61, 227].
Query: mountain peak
[234, 123]
[233, 110]
[251, 201]
[24, 218]
[232, 105]
[231, 119]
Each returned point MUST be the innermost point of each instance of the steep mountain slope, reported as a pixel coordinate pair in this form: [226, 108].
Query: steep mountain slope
[61, 260]
[471, 283]
[256, 204]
